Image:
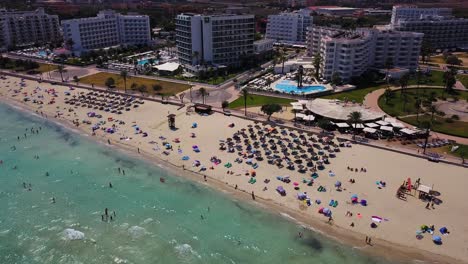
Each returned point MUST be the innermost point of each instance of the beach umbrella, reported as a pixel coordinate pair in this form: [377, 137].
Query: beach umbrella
[437, 239]
[295, 183]
[337, 184]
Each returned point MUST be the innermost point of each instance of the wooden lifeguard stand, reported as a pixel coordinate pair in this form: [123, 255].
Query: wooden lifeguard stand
[171, 121]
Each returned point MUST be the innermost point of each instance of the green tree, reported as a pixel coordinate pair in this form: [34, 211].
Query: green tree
[110, 82]
[433, 110]
[134, 87]
[453, 60]
[70, 43]
[404, 82]
[142, 89]
[61, 69]
[355, 118]
[157, 87]
[336, 79]
[124, 75]
[317, 62]
[417, 105]
[324, 124]
[203, 93]
[426, 51]
[224, 104]
[388, 95]
[270, 109]
[449, 80]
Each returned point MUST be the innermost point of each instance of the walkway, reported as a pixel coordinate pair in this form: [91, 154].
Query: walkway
[372, 101]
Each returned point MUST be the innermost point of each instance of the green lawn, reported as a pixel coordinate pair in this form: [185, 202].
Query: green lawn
[462, 150]
[356, 95]
[396, 107]
[435, 78]
[456, 128]
[99, 79]
[259, 100]
[463, 78]
[43, 67]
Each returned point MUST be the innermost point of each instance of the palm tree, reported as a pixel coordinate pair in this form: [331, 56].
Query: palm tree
[388, 66]
[245, 93]
[433, 110]
[417, 105]
[355, 118]
[317, 62]
[61, 70]
[203, 93]
[404, 82]
[124, 75]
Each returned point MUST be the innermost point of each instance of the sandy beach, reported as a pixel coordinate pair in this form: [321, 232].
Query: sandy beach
[400, 219]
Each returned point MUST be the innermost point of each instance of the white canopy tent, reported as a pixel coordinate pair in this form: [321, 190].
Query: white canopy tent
[358, 126]
[397, 125]
[369, 130]
[382, 123]
[408, 131]
[309, 118]
[372, 125]
[386, 128]
[342, 125]
[300, 115]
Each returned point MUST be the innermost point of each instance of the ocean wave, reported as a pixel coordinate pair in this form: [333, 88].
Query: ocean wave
[137, 232]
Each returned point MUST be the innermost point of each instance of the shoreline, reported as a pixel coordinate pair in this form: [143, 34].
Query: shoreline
[383, 248]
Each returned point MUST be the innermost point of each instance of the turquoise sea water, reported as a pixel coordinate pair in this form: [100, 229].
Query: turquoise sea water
[155, 222]
[291, 86]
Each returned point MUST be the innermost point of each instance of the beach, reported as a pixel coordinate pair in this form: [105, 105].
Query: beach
[400, 219]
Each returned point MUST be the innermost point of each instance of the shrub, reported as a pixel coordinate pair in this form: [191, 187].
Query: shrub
[448, 120]
[455, 117]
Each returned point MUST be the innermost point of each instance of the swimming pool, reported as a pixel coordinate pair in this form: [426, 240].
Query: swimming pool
[291, 86]
[42, 53]
[145, 61]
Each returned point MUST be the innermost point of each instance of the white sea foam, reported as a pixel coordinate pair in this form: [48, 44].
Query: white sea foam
[137, 232]
[72, 234]
[186, 251]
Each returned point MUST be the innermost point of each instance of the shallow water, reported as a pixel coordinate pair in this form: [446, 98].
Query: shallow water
[154, 223]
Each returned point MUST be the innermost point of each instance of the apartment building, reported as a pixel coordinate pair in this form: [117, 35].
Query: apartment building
[24, 28]
[441, 30]
[289, 27]
[218, 40]
[107, 29]
[402, 12]
[351, 53]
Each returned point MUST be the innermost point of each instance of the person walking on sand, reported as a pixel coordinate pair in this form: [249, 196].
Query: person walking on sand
[253, 195]
[427, 205]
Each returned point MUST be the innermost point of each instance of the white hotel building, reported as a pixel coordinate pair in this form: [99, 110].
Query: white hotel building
[23, 28]
[441, 30]
[351, 53]
[218, 40]
[107, 29]
[289, 27]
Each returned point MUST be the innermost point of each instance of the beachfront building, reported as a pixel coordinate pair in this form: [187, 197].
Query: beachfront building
[107, 29]
[350, 53]
[216, 40]
[26, 28]
[402, 12]
[263, 46]
[289, 27]
[441, 30]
